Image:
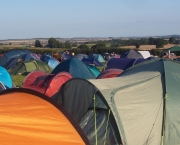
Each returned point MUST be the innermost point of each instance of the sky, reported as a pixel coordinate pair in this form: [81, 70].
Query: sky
[26, 19]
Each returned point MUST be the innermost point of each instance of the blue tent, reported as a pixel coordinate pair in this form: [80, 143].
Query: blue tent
[9, 59]
[5, 78]
[91, 61]
[13, 61]
[97, 57]
[75, 67]
[66, 55]
[50, 60]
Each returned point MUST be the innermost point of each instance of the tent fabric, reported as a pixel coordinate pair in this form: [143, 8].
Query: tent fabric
[52, 62]
[97, 57]
[75, 67]
[110, 73]
[94, 70]
[139, 60]
[28, 117]
[174, 48]
[66, 55]
[144, 99]
[145, 54]
[119, 63]
[91, 61]
[5, 78]
[77, 97]
[13, 61]
[12, 54]
[24, 68]
[2, 87]
[80, 56]
[44, 83]
[131, 54]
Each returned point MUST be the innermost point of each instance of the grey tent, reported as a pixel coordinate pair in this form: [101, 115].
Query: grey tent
[131, 54]
[145, 102]
[88, 107]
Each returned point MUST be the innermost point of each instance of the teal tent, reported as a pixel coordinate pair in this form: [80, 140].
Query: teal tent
[75, 67]
[94, 70]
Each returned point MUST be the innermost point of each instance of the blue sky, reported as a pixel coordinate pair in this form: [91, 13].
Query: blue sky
[22, 19]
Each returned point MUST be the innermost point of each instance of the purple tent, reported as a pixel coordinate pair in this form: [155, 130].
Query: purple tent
[119, 63]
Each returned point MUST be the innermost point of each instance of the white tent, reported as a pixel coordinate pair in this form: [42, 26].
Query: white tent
[145, 54]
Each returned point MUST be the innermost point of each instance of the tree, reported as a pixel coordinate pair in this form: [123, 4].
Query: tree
[83, 46]
[67, 44]
[38, 43]
[159, 42]
[172, 40]
[99, 45]
[53, 43]
[137, 45]
[151, 41]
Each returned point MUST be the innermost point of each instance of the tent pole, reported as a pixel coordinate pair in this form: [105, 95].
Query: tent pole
[169, 53]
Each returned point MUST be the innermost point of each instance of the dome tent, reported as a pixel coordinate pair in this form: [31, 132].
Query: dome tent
[28, 117]
[87, 106]
[25, 67]
[75, 67]
[145, 101]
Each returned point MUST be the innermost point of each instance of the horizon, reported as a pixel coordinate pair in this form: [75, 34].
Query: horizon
[82, 19]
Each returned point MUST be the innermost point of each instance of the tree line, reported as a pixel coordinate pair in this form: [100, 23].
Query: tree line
[114, 43]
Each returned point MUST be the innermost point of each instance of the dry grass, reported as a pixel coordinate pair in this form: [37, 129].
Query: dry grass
[148, 47]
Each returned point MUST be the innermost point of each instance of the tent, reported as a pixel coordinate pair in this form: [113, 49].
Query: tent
[87, 106]
[66, 55]
[169, 50]
[119, 63]
[145, 54]
[28, 117]
[131, 54]
[91, 61]
[52, 62]
[110, 73]
[24, 68]
[106, 56]
[75, 67]
[145, 101]
[97, 57]
[44, 83]
[13, 61]
[80, 56]
[2, 87]
[13, 54]
[94, 70]
[5, 78]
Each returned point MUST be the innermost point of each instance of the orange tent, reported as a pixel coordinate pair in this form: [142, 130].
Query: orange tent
[28, 117]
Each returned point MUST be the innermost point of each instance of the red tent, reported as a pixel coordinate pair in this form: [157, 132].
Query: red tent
[110, 73]
[47, 84]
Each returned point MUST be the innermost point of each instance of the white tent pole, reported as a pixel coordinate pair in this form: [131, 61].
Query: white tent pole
[169, 53]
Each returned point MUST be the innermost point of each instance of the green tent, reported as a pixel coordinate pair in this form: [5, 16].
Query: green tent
[145, 102]
[169, 50]
[23, 68]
